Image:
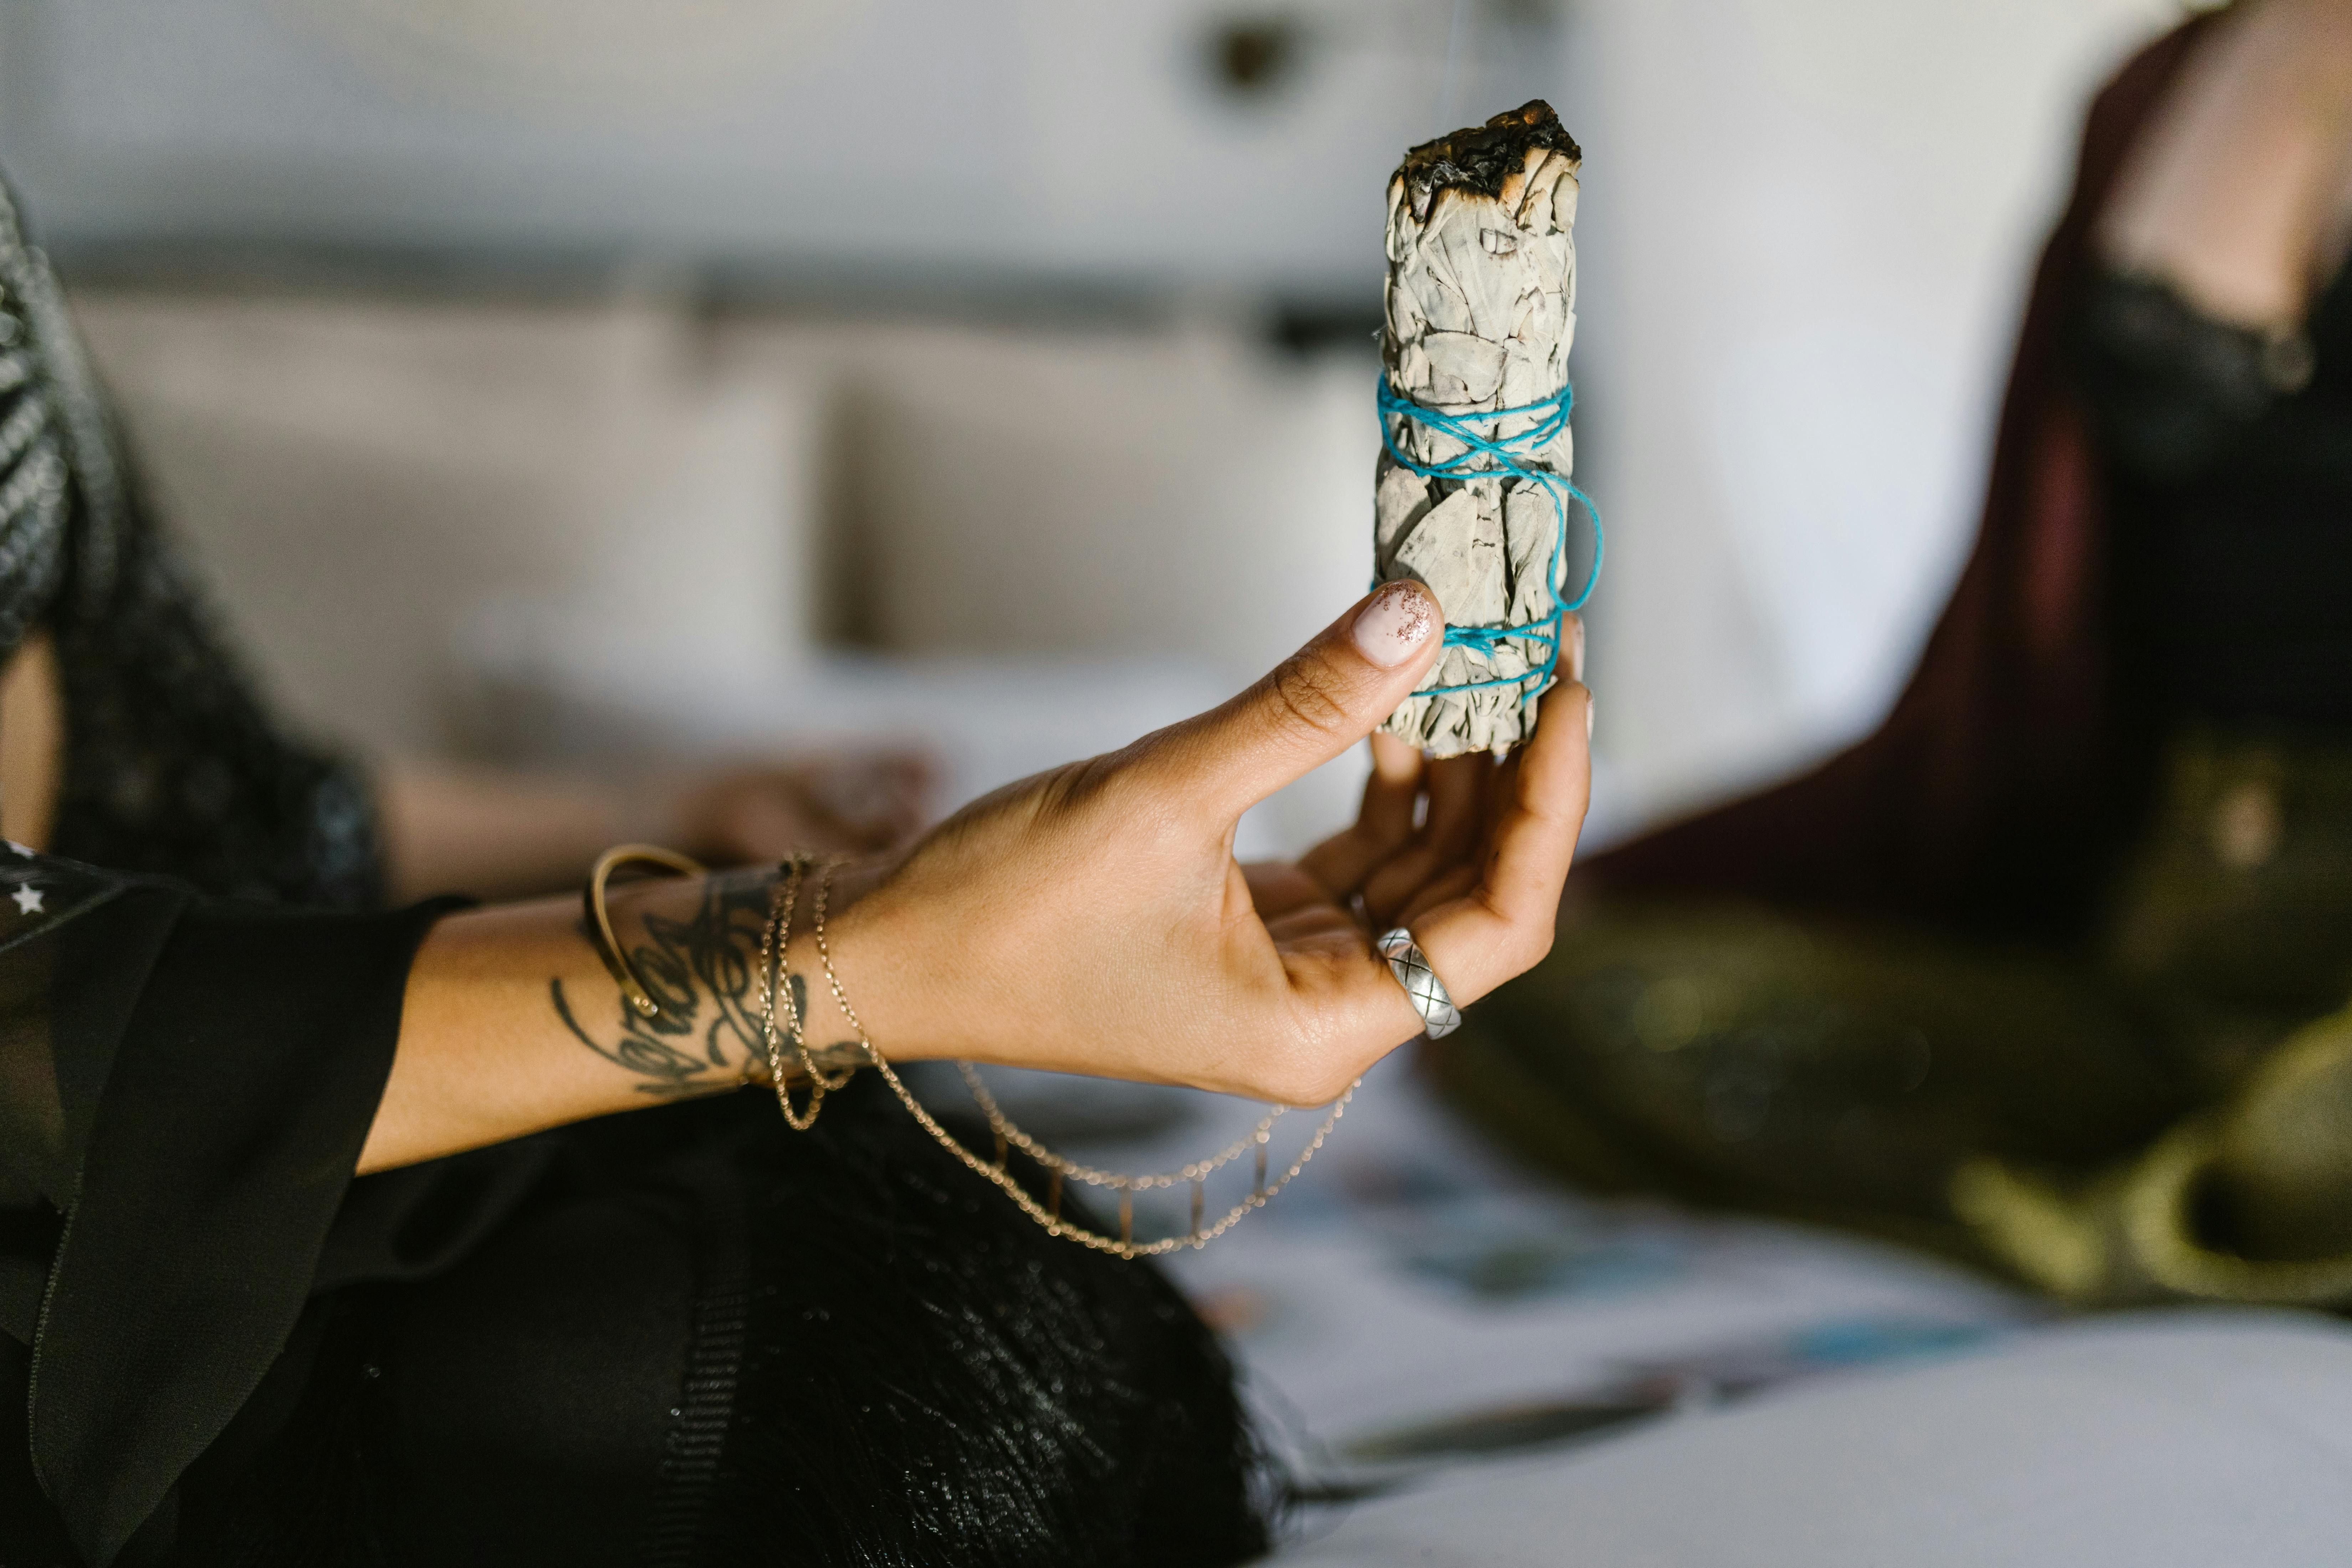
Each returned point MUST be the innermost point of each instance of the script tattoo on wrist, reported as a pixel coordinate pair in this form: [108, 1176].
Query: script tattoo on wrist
[704, 971]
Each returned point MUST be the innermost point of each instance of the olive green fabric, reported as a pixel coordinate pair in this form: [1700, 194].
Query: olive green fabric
[2165, 1112]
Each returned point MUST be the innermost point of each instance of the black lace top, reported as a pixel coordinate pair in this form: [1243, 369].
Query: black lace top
[171, 764]
[2229, 456]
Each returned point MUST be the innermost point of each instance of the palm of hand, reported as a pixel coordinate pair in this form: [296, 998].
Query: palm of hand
[1093, 920]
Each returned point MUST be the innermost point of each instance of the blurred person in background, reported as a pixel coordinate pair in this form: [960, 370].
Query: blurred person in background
[322, 1240]
[2048, 971]
[508, 833]
[135, 740]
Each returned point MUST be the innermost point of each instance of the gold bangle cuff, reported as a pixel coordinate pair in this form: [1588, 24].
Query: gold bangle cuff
[600, 919]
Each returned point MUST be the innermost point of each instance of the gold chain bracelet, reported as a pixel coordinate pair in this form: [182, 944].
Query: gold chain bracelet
[777, 937]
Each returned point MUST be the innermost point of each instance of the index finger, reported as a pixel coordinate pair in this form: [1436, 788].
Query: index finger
[1383, 823]
[1505, 925]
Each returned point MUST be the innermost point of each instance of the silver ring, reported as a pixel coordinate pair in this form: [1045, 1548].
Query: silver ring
[1422, 986]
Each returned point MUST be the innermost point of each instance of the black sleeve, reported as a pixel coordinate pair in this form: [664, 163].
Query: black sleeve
[210, 1072]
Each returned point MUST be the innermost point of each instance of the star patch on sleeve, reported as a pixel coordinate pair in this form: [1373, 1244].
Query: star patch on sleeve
[38, 893]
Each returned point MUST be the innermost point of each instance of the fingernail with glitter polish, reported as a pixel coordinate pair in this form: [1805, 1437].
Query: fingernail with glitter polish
[1394, 623]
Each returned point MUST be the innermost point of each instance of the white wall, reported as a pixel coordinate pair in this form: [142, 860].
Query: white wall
[1061, 138]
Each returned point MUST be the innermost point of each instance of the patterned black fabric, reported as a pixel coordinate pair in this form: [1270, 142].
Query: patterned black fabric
[170, 763]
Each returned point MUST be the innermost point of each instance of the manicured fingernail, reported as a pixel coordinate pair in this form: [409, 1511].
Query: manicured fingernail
[1588, 715]
[1576, 648]
[1394, 623]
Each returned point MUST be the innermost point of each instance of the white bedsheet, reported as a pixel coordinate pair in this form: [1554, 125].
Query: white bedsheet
[2181, 1439]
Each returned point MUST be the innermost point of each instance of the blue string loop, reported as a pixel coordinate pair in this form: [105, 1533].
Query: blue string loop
[1490, 453]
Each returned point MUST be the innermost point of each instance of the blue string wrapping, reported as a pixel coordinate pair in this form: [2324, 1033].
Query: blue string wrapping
[1490, 453]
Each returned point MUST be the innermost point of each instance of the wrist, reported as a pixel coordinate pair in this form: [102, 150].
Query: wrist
[836, 983]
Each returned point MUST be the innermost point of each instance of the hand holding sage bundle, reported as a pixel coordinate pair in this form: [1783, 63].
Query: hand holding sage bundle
[1089, 920]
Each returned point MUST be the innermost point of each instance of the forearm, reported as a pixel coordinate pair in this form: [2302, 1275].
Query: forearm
[496, 835]
[514, 836]
[1088, 920]
[512, 1025]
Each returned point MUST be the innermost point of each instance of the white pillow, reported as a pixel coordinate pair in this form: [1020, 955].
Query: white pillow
[360, 478]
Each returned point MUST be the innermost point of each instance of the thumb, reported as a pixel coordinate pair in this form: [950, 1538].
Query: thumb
[1311, 707]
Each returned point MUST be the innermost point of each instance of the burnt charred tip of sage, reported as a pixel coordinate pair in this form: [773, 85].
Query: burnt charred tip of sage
[1479, 158]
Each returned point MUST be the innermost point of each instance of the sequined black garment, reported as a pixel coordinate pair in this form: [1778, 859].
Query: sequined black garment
[170, 763]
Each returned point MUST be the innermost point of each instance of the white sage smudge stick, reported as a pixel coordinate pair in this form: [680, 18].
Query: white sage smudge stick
[1481, 306]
